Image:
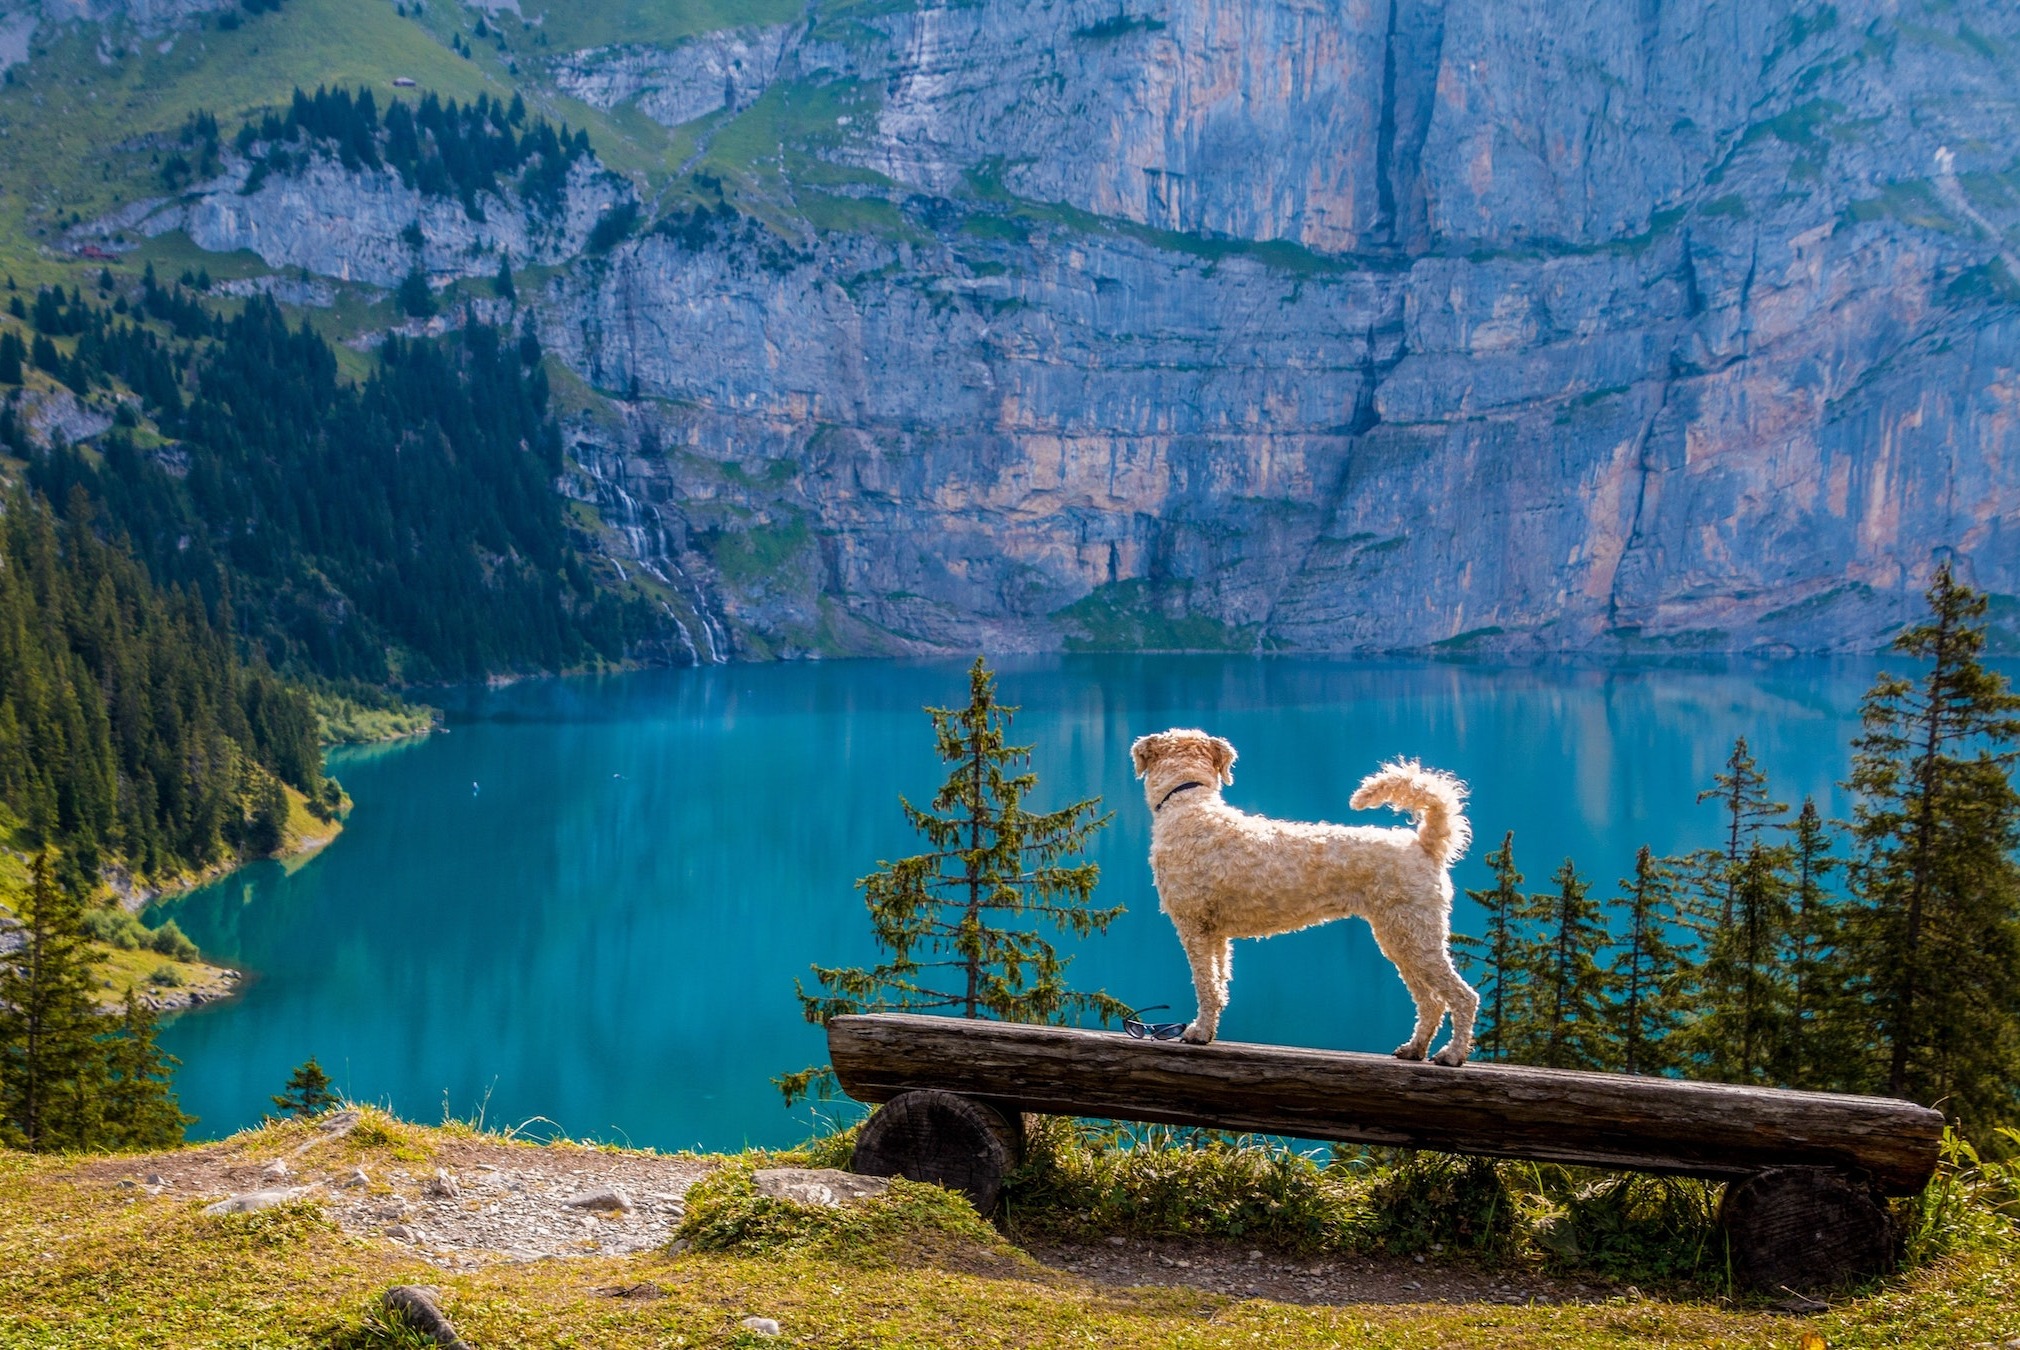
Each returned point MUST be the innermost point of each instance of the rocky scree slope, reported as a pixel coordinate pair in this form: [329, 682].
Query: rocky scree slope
[1376, 325]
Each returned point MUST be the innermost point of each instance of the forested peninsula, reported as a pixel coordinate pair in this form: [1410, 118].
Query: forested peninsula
[269, 543]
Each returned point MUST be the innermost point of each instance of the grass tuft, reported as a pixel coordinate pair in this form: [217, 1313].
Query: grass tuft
[1082, 1179]
[725, 1213]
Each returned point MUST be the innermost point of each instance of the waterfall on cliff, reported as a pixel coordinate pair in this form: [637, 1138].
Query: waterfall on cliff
[648, 541]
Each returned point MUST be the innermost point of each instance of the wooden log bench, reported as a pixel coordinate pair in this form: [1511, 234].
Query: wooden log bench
[1809, 1171]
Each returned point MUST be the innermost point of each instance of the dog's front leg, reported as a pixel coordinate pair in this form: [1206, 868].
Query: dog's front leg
[1212, 968]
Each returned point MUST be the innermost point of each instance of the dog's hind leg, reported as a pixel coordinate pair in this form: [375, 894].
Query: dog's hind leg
[1421, 958]
[1212, 961]
[1464, 1001]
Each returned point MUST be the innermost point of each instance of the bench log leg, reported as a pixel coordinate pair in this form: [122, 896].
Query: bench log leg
[942, 1137]
[1807, 1231]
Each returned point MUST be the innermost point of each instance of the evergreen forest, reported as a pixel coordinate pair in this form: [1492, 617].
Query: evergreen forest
[400, 529]
[131, 727]
[1873, 955]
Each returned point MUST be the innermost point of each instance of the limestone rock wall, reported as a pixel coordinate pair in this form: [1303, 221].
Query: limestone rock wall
[1357, 324]
[357, 226]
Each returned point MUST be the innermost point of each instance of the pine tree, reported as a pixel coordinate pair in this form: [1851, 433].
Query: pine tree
[1563, 1021]
[962, 921]
[12, 353]
[1932, 938]
[503, 283]
[1497, 952]
[1648, 972]
[1812, 1054]
[1735, 903]
[51, 1068]
[1737, 1034]
[1742, 791]
[416, 299]
[140, 1107]
[307, 1092]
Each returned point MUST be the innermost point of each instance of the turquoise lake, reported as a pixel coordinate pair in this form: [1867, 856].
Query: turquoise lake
[588, 900]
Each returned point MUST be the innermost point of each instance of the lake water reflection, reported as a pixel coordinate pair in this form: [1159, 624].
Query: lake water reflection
[590, 899]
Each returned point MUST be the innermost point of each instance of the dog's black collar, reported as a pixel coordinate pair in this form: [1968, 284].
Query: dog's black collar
[1182, 787]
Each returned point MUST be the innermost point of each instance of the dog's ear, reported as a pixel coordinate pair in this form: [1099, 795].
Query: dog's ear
[1223, 758]
[1145, 751]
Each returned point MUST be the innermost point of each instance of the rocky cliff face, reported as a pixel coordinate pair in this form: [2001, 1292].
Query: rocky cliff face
[1367, 324]
[362, 226]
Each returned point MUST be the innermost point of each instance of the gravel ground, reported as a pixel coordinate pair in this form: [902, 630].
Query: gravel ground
[1246, 1272]
[475, 1203]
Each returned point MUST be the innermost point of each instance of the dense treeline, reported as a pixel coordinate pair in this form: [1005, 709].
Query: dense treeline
[109, 347]
[442, 149]
[72, 1076]
[129, 726]
[405, 529]
[1892, 966]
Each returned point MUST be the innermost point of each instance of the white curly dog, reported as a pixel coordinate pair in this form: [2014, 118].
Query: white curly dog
[1223, 874]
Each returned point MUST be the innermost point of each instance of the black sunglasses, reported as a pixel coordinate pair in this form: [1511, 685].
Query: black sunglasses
[1156, 1031]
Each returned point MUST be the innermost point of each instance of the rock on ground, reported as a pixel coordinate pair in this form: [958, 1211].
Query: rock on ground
[817, 1185]
[246, 1202]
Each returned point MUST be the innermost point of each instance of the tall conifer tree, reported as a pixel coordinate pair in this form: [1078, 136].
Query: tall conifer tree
[140, 1108]
[1497, 952]
[1738, 1033]
[1563, 1022]
[1932, 939]
[51, 1067]
[1813, 1053]
[962, 922]
[1741, 791]
[1648, 972]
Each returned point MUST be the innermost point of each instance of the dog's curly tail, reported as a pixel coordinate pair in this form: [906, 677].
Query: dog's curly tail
[1434, 799]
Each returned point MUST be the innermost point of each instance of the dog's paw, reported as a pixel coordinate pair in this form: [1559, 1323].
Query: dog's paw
[1197, 1035]
[1449, 1057]
[1409, 1051]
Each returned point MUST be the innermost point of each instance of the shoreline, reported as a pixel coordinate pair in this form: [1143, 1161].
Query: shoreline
[304, 837]
[207, 981]
[297, 849]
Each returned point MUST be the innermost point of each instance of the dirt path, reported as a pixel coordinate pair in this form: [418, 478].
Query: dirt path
[1247, 1272]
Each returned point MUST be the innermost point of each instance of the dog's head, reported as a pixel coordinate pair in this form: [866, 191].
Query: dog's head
[1171, 757]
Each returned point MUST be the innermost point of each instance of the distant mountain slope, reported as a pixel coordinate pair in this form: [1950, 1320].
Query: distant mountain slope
[1242, 324]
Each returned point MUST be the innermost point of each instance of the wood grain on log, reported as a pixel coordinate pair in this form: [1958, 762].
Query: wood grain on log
[949, 1140]
[1549, 1115]
[1805, 1230]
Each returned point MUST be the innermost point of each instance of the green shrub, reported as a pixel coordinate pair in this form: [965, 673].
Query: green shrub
[166, 976]
[1649, 1230]
[113, 925]
[1080, 1178]
[170, 941]
[1970, 1201]
[1433, 1200]
[725, 1213]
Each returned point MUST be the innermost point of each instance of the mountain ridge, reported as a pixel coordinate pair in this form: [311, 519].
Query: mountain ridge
[1032, 326]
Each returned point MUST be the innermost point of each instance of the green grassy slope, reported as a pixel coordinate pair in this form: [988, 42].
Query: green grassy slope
[87, 1262]
[81, 137]
[79, 134]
